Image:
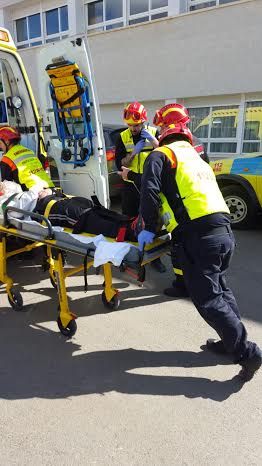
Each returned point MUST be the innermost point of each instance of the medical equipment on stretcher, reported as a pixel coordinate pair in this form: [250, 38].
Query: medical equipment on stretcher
[59, 240]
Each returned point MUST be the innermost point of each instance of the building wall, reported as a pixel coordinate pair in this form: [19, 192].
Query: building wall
[200, 54]
[203, 53]
[209, 57]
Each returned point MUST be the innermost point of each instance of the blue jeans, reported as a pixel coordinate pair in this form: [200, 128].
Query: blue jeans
[205, 258]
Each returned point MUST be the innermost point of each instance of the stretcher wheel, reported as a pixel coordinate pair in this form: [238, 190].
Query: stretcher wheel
[114, 303]
[17, 301]
[66, 155]
[69, 330]
[83, 153]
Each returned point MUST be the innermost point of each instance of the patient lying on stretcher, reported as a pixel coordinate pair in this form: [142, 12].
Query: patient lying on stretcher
[78, 213]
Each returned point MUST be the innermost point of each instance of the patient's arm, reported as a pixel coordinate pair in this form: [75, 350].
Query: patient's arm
[44, 193]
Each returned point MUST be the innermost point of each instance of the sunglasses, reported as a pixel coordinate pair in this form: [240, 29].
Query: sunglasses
[136, 116]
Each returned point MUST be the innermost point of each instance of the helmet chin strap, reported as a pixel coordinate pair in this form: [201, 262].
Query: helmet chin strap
[6, 146]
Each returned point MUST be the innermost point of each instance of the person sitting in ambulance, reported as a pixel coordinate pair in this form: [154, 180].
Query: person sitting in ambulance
[19, 163]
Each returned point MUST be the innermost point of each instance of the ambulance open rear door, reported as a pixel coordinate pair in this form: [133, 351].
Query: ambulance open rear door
[71, 117]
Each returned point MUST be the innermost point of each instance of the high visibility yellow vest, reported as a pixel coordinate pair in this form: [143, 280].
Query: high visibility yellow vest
[138, 161]
[29, 167]
[196, 183]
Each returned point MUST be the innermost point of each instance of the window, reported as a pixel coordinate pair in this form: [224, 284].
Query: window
[216, 126]
[104, 15]
[110, 14]
[29, 31]
[56, 22]
[141, 11]
[200, 4]
[252, 138]
[229, 129]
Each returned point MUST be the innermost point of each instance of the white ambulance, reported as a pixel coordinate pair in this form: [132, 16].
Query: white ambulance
[70, 128]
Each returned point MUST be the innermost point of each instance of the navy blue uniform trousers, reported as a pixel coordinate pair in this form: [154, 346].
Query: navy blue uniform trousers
[205, 258]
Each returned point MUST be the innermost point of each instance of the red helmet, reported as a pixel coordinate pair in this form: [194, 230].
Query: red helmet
[8, 134]
[171, 114]
[176, 129]
[135, 114]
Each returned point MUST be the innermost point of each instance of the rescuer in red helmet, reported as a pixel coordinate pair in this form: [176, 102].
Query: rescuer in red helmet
[193, 210]
[132, 148]
[19, 163]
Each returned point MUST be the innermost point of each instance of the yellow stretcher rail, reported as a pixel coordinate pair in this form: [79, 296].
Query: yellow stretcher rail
[54, 263]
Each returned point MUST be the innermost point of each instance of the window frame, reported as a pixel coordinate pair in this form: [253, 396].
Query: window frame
[102, 25]
[44, 37]
[193, 3]
[125, 18]
[239, 137]
[28, 42]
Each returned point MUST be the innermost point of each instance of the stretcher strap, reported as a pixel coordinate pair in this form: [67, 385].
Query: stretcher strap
[48, 208]
[121, 235]
[72, 98]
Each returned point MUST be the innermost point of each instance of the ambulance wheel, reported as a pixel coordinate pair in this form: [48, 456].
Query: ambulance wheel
[84, 153]
[17, 301]
[69, 330]
[113, 304]
[242, 209]
[66, 155]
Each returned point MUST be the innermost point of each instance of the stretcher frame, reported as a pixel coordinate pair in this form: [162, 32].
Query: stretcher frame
[54, 263]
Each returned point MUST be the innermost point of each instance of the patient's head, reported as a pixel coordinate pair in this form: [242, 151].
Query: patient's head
[7, 188]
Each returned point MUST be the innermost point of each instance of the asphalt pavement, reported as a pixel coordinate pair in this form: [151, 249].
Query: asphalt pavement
[132, 387]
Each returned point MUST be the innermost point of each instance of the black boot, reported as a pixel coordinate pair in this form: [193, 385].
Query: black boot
[216, 346]
[176, 293]
[158, 265]
[249, 367]
[178, 289]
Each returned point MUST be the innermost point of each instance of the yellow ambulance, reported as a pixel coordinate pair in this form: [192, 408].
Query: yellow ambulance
[240, 180]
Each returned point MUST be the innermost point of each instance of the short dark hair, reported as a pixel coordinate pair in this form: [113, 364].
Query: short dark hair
[15, 141]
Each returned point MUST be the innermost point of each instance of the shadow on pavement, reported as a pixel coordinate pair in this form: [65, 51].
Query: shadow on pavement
[41, 363]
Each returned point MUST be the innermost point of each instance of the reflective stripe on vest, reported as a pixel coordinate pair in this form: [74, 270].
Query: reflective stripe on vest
[138, 161]
[29, 167]
[197, 186]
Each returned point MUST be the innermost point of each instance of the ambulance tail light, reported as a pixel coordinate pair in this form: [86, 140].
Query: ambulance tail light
[110, 154]
[47, 166]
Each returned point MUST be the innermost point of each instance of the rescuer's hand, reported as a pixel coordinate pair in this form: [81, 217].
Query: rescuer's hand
[124, 173]
[146, 135]
[144, 238]
[139, 147]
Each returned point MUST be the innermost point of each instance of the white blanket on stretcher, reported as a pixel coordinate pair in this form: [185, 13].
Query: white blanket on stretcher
[106, 251]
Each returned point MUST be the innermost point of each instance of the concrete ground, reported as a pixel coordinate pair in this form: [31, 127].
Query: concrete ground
[133, 386]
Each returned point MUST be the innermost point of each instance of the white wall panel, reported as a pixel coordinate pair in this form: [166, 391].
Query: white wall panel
[202, 58]
[209, 52]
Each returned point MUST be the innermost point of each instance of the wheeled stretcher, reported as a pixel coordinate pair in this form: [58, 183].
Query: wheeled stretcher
[71, 106]
[58, 241]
